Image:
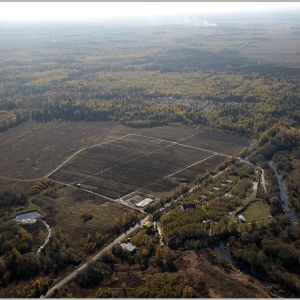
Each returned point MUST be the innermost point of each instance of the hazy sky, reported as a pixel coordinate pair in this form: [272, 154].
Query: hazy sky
[68, 11]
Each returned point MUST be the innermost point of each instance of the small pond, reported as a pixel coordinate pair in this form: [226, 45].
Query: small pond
[30, 215]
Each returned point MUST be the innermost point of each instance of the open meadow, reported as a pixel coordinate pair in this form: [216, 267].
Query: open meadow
[78, 213]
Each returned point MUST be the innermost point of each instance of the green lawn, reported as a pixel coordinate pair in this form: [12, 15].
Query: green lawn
[256, 211]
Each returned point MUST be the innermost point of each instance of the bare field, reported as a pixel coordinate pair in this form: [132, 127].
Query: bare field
[32, 150]
[111, 160]
[201, 168]
[218, 142]
[115, 169]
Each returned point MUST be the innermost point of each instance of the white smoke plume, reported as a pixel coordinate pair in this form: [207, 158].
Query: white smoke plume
[194, 20]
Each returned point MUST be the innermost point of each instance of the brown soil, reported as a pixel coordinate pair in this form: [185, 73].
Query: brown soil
[206, 279]
[220, 283]
[32, 150]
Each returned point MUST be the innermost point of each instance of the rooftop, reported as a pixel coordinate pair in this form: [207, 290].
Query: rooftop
[144, 202]
[128, 246]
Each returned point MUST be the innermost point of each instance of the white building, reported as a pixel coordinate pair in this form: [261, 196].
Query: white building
[144, 202]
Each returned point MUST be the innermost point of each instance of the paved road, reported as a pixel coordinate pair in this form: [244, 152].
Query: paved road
[93, 258]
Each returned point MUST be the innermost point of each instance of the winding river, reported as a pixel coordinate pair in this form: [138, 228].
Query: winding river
[221, 248]
[292, 215]
[283, 195]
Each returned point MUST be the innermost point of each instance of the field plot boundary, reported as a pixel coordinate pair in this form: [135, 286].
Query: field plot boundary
[76, 153]
[184, 145]
[135, 158]
[89, 181]
[21, 180]
[127, 161]
[170, 175]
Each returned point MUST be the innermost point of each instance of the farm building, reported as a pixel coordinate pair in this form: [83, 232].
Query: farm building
[242, 218]
[148, 224]
[129, 247]
[144, 202]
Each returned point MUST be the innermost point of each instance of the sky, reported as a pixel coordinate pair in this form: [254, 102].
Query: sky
[81, 11]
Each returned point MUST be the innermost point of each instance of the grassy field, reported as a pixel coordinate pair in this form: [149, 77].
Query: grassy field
[66, 206]
[257, 211]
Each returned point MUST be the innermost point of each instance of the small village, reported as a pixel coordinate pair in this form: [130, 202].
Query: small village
[223, 190]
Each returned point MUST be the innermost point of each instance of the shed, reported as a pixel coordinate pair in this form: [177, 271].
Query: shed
[129, 247]
[242, 218]
[191, 206]
[148, 224]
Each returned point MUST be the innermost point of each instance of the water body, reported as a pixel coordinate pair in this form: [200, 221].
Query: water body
[223, 251]
[221, 248]
[283, 196]
[28, 216]
[285, 204]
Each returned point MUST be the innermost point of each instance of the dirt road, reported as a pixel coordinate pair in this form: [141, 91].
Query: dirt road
[73, 155]
[95, 257]
[263, 181]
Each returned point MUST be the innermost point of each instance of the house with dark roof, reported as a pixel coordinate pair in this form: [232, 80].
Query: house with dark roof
[190, 206]
[172, 243]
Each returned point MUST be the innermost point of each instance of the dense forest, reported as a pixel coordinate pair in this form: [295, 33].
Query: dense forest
[140, 83]
[154, 76]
